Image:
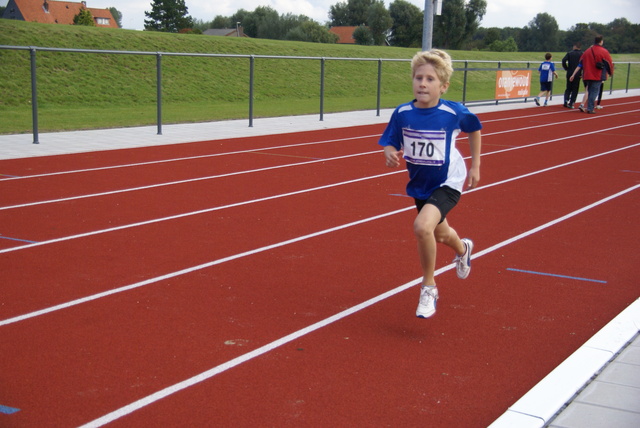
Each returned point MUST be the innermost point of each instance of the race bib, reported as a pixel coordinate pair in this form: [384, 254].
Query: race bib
[424, 147]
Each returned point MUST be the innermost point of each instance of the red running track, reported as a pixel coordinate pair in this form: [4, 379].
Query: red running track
[271, 281]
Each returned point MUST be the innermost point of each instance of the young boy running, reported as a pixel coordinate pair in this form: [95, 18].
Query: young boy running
[424, 132]
[547, 71]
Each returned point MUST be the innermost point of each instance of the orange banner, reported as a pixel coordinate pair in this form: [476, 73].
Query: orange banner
[513, 84]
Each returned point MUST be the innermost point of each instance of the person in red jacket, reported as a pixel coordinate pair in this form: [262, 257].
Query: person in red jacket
[596, 63]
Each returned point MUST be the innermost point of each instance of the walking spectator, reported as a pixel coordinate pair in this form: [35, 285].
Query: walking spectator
[547, 72]
[585, 97]
[596, 65]
[570, 63]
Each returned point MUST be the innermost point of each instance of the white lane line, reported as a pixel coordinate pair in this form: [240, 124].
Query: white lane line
[195, 268]
[208, 210]
[190, 180]
[212, 177]
[211, 155]
[150, 399]
[192, 213]
[50, 174]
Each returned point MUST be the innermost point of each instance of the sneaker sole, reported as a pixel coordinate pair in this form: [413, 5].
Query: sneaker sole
[424, 317]
[427, 315]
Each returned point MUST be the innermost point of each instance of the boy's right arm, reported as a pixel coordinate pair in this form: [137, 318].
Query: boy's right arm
[392, 156]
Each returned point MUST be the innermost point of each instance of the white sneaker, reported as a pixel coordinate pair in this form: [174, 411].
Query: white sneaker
[598, 107]
[463, 262]
[427, 303]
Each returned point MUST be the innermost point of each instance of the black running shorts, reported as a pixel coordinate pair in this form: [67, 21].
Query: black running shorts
[444, 198]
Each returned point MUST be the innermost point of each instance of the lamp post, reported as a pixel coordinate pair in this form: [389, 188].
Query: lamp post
[427, 25]
[431, 8]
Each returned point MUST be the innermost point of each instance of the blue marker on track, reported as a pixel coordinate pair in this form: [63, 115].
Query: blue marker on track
[558, 276]
[8, 410]
[17, 239]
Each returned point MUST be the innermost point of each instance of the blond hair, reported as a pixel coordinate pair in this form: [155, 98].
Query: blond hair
[440, 60]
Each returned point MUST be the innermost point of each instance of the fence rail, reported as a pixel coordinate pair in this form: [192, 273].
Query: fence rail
[464, 67]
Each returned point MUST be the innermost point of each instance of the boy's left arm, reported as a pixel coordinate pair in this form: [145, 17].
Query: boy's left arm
[474, 173]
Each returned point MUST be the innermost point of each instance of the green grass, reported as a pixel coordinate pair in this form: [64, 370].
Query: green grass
[89, 90]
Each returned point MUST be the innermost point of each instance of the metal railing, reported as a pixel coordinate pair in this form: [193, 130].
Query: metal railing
[493, 66]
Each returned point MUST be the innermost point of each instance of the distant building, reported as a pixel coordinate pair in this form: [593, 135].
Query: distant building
[55, 12]
[345, 34]
[225, 32]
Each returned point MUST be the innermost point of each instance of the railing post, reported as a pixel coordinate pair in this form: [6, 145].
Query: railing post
[464, 82]
[322, 65]
[379, 86]
[530, 83]
[499, 67]
[628, 74]
[34, 96]
[159, 91]
[252, 61]
[610, 85]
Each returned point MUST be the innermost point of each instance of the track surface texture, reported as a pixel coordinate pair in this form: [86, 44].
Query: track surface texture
[271, 281]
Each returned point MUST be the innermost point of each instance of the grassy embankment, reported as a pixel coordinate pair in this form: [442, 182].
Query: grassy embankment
[86, 90]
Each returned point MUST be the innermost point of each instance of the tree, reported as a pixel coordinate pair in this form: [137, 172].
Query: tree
[169, 16]
[222, 22]
[474, 10]
[362, 35]
[540, 35]
[620, 35]
[508, 45]
[311, 31]
[339, 15]
[493, 35]
[117, 15]
[458, 22]
[379, 22]
[84, 17]
[406, 30]
[449, 28]
[359, 11]
[351, 13]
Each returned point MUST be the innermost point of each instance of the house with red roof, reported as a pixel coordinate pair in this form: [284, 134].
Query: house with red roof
[345, 34]
[55, 12]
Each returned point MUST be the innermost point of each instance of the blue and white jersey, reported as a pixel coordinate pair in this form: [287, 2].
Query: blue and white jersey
[546, 70]
[427, 137]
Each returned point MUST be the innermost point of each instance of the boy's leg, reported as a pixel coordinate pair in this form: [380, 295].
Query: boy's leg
[537, 99]
[428, 233]
[447, 235]
[424, 228]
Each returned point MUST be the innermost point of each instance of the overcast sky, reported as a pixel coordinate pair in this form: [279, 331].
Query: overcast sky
[500, 13]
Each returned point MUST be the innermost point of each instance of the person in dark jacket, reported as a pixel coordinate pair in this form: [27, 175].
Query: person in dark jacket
[570, 63]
